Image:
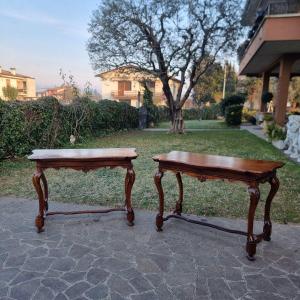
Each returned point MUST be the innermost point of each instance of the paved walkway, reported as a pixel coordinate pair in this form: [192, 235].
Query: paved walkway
[100, 257]
[188, 129]
[256, 130]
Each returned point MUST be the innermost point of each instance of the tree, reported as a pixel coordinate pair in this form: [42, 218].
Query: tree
[209, 85]
[231, 80]
[10, 92]
[165, 38]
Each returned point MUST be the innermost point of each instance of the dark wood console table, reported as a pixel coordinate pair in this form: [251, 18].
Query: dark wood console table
[84, 160]
[203, 167]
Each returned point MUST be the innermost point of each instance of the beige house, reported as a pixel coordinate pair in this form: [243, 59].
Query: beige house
[23, 83]
[127, 85]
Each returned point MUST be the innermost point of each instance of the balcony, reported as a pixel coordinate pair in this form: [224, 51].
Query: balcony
[22, 91]
[276, 35]
[123, 95]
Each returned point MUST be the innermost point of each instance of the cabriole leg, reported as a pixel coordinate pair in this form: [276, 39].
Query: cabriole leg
[274, 182]
[129, 181]
[39, 220]
[159, 217]
[178, 209]
[45, 184]
[254, 192]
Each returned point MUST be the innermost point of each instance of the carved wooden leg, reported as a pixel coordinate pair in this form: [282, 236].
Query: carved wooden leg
[178, 209]
[36, 179]
[253, 190]
[159, 217]
[129, 181]
[45, 184]
[274, 182]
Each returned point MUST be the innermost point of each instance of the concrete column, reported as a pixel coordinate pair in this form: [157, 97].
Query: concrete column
[265, 88]
[286, 64]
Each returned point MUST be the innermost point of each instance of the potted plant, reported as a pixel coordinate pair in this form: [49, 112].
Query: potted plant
[268, 120]
[276, 135]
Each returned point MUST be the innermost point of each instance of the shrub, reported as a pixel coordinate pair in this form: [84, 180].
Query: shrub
[233, 115]
[232, 100]
[10, 93]
[163, 114]
[249, 115]
[275, 132]
[268, 117]
[210, 112]
[191, 114]
[152, 110]
[46, 123]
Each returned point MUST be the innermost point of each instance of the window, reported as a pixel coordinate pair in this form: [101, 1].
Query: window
[123, 86]
[8, 82]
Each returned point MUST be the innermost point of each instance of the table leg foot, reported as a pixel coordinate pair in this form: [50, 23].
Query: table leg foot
[159, 222]
[130, 217]
[251, 250]
[267, 231]
[39, 223]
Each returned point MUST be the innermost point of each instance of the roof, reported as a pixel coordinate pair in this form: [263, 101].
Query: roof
[127, 67]
[10, 74]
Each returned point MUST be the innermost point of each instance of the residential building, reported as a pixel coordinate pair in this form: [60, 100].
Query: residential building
[126, 84]
[23, 83]
[64, 93]
[272, 47]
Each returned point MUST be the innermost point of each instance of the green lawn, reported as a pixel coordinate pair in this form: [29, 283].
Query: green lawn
[214, 198]
[198, 124]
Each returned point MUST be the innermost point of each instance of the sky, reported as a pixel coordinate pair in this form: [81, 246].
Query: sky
[38, 37]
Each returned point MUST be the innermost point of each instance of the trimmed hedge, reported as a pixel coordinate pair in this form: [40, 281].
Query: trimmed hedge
[191, 114]
[233, 115]
[231, 100]
[211, 112]
[46, 123]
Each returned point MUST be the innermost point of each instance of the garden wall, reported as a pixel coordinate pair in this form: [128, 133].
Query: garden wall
[46, 123]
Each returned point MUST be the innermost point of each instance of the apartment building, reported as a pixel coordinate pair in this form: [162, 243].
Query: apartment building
[24, 84]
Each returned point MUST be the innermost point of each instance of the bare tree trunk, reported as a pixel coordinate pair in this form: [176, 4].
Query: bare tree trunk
[177, 121]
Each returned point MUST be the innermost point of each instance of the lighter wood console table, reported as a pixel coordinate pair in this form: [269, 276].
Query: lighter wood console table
[203, 167]
[83, 160]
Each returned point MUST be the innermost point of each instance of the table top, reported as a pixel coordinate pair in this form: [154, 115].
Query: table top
[83, 154]
[219, 162]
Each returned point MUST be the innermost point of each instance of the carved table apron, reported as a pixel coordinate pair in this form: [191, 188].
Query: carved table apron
[84, 160]
[203, 167]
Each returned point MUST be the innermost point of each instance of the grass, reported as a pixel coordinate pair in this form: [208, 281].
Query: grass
[198, 124]
[213, 198]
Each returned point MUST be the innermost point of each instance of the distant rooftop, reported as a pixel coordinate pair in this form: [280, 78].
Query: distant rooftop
[12, 73]
[129, 68]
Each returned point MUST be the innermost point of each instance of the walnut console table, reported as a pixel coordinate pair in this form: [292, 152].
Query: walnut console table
[203, 167]
[84, 160]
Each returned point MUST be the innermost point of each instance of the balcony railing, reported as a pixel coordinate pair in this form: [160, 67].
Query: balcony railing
[22, 91]
[124, 94]
[282, 8]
